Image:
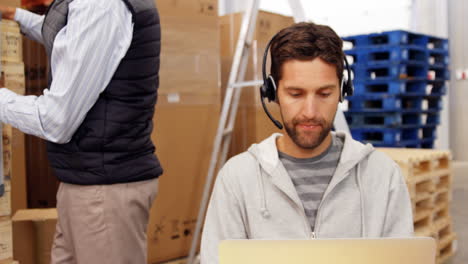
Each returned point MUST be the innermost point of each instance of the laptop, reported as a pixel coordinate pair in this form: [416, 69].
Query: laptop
[420, 250]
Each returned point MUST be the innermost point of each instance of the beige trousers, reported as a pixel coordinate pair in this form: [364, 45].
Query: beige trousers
[103, 224]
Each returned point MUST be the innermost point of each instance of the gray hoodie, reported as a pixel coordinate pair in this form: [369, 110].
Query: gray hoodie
[254, 198]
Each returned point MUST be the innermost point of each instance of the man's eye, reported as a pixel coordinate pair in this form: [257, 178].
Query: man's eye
[325, 94]
[295, 94]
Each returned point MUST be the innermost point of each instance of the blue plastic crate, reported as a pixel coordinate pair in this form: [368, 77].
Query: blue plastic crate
[437, 43]
[432, 119]
[438, 73]
[391, 136]
[433, 103]
[439, 57]
[391, 87]
[430, 131]
[366, 119]
[400, 87]
[387, 72]
[383, 103]
[396, 37]
[428, 143]
[388, 54]
[424, 143]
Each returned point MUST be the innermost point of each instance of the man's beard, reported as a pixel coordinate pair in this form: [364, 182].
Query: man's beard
[307, 139]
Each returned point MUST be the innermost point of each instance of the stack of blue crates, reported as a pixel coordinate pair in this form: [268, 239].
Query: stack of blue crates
[399, 80]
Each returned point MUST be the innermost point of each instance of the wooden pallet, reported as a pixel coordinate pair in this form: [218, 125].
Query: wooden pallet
[420, 162]
[446, 248]
[428, 175]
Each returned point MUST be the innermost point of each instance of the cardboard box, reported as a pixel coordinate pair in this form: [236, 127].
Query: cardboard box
[252, 124]
[18, 172]
[8, 261]
[6, 250]
[11, 41]
[7, 133]
[188, 8]
[36, 67]
[38, 170]
[33, 233]
[190, 61]
[184, 133]
[5, 200]
[12, 76]
[12, 3]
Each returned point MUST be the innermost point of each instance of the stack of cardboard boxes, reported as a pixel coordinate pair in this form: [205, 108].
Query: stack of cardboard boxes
[185, 121]
[12, 76]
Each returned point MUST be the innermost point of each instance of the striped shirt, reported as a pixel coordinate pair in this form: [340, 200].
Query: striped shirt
[311, 176]
[86, 54]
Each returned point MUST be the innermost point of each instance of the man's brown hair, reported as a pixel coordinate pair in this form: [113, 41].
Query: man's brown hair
[306, 41]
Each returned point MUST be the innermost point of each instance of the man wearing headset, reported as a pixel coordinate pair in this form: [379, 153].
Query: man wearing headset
[309, 182]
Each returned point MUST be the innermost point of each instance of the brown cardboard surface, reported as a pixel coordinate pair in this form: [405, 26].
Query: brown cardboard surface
[183, 135]
[33, 232]
[198, 8]
[35, 66]
[6, 250]
[190, 61]
[5, 200]
[18, 172]
[13, 76]
[11, 41]
[12, 3]
[253, 126]
[7, 133]
[8, 261]
[42, 184]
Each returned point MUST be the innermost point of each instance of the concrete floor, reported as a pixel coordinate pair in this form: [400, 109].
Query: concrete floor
[460, 211]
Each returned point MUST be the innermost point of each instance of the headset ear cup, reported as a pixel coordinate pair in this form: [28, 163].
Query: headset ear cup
[349, 88]
[270, 89]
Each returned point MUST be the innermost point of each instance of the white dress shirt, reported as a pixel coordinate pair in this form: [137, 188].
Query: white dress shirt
[85, 56]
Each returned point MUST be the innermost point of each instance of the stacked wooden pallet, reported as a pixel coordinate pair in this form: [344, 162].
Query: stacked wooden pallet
[428, 175]
[12, 77]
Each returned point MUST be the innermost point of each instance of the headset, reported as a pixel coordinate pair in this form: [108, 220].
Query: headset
[268, 89]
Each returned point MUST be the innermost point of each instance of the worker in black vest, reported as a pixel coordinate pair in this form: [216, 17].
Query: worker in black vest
[97, 117]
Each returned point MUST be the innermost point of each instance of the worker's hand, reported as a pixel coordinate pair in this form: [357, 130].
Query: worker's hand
[8, 12]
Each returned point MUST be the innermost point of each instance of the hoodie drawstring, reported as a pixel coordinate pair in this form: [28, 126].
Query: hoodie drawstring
[363, 206]
[263, 209]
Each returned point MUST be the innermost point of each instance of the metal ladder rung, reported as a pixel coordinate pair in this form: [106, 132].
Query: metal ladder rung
[227, 131]
[247, 83]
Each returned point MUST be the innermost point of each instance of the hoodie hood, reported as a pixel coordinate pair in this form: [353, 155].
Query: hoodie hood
[266, 152]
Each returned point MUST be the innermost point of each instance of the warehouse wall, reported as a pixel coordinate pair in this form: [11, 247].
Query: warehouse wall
[458, 34]
[431, 17]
